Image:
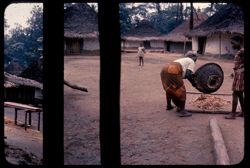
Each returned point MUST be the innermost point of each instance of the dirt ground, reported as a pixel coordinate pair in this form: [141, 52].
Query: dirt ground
[23, 147]
[150, 135]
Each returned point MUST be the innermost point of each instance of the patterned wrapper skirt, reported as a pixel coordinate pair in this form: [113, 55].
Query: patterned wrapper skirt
[238, 83]
[172, 82]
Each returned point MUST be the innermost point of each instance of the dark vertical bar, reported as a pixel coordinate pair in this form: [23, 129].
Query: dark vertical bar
[30, 117]
[191, 16]
[2, 156]
[16, 116]
[109, 82]
[38, 125]
[25, 124]
[243, 5]
[53, 83]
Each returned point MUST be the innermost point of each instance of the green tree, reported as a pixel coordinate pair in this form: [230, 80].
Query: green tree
[33, 32]
[163, 16]
[14, 45]
[213, 8]
[167, 18]
[22, 45]
[125, 19]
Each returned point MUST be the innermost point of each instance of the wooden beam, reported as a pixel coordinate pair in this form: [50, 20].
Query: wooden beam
[221, 94]
[208, 112]
[184, 50]
[220, 45]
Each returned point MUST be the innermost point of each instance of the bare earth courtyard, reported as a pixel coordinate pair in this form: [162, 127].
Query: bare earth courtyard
[150, 135]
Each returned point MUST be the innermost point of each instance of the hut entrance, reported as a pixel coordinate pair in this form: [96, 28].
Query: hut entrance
[74, 46]
[201, 44]
[167, 45]
[146, 44]
[22, 94]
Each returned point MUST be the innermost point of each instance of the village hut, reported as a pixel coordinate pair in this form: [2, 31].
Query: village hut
[80, 29]
[213, 35]
[176, 41]
[144, 33]
[22, 90]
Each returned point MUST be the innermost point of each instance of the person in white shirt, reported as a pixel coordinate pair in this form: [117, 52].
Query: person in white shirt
[140, 55]
[172, 76]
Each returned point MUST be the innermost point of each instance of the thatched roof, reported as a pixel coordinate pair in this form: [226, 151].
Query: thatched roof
[142, 32]
[80, 21]
[11, 81]
[229, 19]
[177, 35]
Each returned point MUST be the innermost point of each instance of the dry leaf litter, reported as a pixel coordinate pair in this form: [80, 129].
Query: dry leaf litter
[210, 102]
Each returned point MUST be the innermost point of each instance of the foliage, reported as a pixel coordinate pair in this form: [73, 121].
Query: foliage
[21, 44]
[125, 20]
[166, 19]
[163, 19]
[163, 16]
[213, 8]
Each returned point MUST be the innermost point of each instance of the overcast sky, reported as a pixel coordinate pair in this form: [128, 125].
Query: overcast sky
[201, 5]
[19, 13]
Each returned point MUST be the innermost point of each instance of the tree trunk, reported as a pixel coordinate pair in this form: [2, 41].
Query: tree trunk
[211, 8]
[177, 13]
[74, 86]
[181, 12]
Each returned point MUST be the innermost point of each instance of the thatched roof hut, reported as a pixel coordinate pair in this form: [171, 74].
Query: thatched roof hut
[80, 21]
[144, 33]
[229, 19]
[13, 81]
[80, 29]
[177, 34]
[213, 35]
[175, 41]
[18, 89]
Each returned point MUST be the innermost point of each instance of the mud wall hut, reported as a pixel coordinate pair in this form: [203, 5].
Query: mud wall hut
[144, 33]
[21, 90]
[80, 29]
[176, 41]
[35, 72]
[213, 35]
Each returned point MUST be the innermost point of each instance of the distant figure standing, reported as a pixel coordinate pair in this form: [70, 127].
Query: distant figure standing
[238, 82]
[140, 55]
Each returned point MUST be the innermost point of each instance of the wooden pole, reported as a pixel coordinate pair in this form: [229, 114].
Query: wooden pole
[208, 112]
[184, 46]
[191, 24]
[220, 45]
[221, 94]
[219, 144]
